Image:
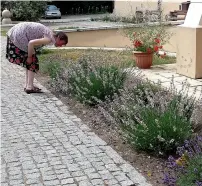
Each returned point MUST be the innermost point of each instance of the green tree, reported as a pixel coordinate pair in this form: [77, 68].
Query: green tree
[6, 5]
[28, 10]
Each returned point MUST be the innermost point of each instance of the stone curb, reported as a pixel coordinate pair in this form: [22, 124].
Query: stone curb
[170, 54]
[128, 25]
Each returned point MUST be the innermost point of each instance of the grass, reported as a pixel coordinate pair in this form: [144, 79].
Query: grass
[60, 55]
[64, 28]
[3, 32]
[124, 57]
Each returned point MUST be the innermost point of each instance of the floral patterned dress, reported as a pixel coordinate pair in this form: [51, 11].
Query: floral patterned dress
[18, 38]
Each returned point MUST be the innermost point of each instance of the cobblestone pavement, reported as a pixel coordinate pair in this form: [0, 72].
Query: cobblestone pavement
[43, 143]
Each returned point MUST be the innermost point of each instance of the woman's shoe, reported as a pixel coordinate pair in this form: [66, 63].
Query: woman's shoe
[35, 90]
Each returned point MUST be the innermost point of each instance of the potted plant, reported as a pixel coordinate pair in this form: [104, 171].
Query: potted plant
[147, 41]
[144, 51]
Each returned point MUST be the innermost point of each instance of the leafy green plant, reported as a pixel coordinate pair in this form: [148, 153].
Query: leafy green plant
[160, 132]
[143, 90]
[91, 84]
[3, 32]
[28, 10]
[152, 118]
[52, 68]
[148, 38]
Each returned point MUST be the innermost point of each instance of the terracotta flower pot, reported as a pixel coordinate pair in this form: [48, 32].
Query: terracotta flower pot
[143, 60]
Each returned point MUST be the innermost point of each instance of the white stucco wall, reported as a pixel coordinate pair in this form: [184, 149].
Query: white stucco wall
[128, 7]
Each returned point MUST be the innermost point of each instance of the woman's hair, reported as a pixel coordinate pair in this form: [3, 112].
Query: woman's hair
[62, 36]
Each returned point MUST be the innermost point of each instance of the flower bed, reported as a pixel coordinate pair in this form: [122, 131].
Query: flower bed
[142, 121]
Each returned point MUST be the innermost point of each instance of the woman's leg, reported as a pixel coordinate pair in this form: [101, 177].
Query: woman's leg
[26, 78]
[30, 80]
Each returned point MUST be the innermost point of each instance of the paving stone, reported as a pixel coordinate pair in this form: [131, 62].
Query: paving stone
[49, 177]
[4, 184]
[77, 173]
[89, 170]
[94, 176]
[19, 184]
[32, 181]
[97, 182]
[48, 173]
[126, 183]
[67, 181]
[15, 177]
[63, 176]
[16, 182]
[61, 171]
[85, 183]
[37, 184]
[51, 183]
[33, 176]
[81, 178]
[42, 165]
[112, 167]
[112, 181]
[12, 173]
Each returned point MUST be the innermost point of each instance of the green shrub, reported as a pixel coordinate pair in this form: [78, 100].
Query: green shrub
[153, 119]
[159, 132]
[52, 68]
[188, 106]
[28, 10]
[144, 90]
[93, 83]
[125, 109]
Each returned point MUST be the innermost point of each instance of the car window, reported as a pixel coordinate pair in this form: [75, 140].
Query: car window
[52, 8]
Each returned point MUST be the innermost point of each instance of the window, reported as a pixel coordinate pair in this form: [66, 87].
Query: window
[52, 7]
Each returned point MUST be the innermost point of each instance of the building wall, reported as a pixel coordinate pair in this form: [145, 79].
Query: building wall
[128, 7]
[112, 38]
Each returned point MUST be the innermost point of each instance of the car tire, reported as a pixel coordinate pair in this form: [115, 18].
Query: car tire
[59, 17]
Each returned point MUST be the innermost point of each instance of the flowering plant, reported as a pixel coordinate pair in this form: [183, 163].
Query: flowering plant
[187, 168]
[149, 38]
[150, 46]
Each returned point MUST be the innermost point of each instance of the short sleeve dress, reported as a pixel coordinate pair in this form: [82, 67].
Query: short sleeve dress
[18, 38]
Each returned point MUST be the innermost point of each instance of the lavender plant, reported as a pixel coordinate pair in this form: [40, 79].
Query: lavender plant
[94, 83]
[153, 119]
[186, 169]
[93, 78]
[52, 68]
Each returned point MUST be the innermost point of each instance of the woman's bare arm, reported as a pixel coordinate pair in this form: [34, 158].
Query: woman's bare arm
[37, 42]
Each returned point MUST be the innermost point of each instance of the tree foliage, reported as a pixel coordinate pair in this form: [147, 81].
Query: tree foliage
[26, 10]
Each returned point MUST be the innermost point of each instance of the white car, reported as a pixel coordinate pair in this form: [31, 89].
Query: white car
[52, 12]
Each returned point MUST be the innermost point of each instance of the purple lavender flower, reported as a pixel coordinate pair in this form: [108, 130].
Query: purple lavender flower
[169, 180]
[198, 183]
[180, 150]
[171, 162]
[191, 149]
[199, 138]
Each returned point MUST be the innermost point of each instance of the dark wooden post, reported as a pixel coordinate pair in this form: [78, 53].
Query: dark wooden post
[159, 7]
